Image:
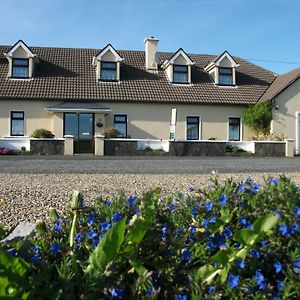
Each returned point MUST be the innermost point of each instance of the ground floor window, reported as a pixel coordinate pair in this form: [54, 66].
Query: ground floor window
[192, 128]
[120, 122]
[234, 129]
[17, 123]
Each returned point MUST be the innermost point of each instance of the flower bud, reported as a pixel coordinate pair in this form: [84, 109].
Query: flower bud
[77, 200]
[40, 227]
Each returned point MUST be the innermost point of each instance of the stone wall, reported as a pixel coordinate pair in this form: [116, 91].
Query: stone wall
[270, 148]
[120, 148]
[202, 148]
[47, 146]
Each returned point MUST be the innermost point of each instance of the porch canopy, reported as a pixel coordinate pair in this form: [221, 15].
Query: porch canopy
[77, 107]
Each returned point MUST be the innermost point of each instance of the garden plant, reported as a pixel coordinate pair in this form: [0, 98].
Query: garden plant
[231, 240]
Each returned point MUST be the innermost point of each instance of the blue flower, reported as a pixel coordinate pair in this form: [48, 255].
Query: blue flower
[55, 248]
[283, 229]
[193, 230]
[190, 189]
[117, 217]
[57, 225]
[278, 266]
[227, 233]
[294, 228]
[105, 226]
[256, 187]
[171, 206]
[223, 200]
[263, 243]
[280, 285]
[164, 230]
[255, 253]
[233, 280]
[205, 223]
[212, 219]
[78, 237]
[131, 200]
[95, 242]
[181, 297]
[273, 181]
[242, 188]
[211, 289]
[118, 293]
[149, 290]
[277, 212]
[297, 211]
[107, 203]
[243, 220]
[240, 263]
[91, 219]
[11, 251]
[186, 255]
[35, 258]
[260, 280]
[194, 211]
[36, 249]
[208, 206]
[92, 234]
[219, 241]
[296, 265]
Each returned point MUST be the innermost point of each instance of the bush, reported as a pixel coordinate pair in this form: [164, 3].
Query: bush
[268, 137]
[42, 133]
[111, 132]
[229, 241]
[259, 117]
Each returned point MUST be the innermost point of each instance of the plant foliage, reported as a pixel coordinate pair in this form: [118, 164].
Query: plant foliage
[42, 133]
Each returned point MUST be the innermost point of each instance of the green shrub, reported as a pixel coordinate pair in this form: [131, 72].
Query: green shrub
[42, 133]
[111, 132]
[259, 117]
[232, 240]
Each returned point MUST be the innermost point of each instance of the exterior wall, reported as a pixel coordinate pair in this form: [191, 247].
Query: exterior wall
[285, 117]
[144, 120]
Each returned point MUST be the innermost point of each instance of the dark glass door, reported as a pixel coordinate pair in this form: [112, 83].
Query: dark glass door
[81, 127]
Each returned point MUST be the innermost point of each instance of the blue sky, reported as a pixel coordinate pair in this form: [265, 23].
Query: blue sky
[263, 31]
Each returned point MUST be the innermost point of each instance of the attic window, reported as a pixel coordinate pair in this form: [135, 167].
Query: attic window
[180, 74]
[225, 76]
[108, 71]
[20, 68]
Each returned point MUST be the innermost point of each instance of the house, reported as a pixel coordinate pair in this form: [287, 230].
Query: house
[80, 92]
[284, 92]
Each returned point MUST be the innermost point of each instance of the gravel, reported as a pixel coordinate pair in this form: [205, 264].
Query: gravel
[29, 197]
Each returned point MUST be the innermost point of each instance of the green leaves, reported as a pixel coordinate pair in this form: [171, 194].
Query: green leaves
[14, 284]
[106, 250]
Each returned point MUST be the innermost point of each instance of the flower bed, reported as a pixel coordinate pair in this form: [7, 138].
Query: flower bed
[5, 151]
[229, 241]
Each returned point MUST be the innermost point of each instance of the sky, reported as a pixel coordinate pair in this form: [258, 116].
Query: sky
[266, 32]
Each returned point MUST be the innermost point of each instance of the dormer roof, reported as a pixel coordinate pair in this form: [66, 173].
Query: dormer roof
[216, 62]
[106, 49]
[179, 52]
[21, 44]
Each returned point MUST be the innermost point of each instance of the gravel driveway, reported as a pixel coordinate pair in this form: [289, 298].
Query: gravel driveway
[30, 187]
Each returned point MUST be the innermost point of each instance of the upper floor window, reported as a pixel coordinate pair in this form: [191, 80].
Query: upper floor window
[17, 123]
[192, 128]
[108, 71]
[180, 74]
[120, 122]
[20, 68]
[225, 76]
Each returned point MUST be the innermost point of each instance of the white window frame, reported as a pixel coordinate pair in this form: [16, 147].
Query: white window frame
[241, 128]
[200, 127]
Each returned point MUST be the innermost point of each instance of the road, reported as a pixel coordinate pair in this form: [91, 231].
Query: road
[145, 165]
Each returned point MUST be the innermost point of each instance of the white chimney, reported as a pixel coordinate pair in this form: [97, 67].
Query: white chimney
[151, 53]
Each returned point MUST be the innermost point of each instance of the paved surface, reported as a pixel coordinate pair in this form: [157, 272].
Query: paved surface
[145, 165]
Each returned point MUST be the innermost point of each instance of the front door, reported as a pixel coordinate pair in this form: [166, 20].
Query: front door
[81, 126]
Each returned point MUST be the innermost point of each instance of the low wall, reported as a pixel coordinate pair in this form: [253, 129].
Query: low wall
[120, 147]
[270, 148]
[47, 146]
[15, 143]
[197, 148]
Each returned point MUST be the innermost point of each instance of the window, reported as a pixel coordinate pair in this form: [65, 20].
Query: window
[234, 129]
[20, 68]
[17, 123]
[225, 76]
[180, 74]
[108, 71]
[192, 128]
[120, 122]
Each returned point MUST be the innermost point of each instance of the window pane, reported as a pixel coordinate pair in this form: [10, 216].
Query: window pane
[106, 65]
[180, 77]
[17, 127]
[225, 71]
[122, 129]
[178, 68]
[20, 62]
[234, 129]
[192, 128]
[108, 75]
[120, 118]
[20, 72]
[17, 115]
[225, 79]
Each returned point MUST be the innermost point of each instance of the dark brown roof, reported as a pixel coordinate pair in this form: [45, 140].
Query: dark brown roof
[280, 83]
[66, 74]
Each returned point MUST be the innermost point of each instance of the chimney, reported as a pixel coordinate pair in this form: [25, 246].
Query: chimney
[151, 53]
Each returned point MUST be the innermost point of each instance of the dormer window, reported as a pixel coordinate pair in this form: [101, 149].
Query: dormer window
[179, 68]
[107, 63]
[20, 68]
[225, 76]
[108, 71]
[180, 74]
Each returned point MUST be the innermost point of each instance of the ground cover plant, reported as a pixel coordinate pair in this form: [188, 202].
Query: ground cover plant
[231, 240]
